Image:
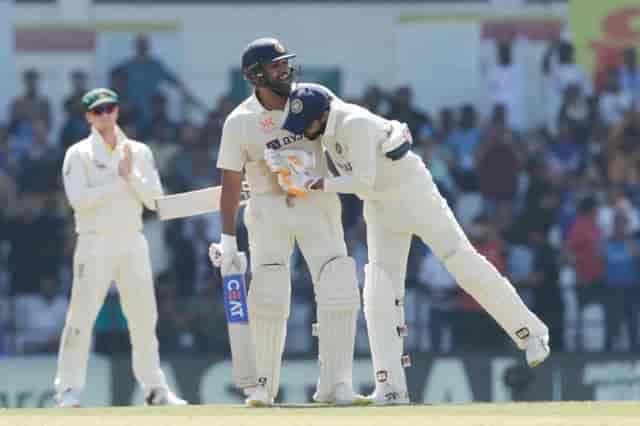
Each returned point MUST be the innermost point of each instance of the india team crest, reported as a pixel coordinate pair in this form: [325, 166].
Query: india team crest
[296, 106]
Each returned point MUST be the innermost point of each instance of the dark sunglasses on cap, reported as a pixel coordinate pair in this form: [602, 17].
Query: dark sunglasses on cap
[103, 109]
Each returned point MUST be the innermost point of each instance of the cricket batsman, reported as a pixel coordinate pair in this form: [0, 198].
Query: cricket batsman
[107, 179]
[374, 159]
[275, 221]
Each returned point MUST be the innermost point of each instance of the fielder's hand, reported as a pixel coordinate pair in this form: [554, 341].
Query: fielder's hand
[125, 166]
[293, 183]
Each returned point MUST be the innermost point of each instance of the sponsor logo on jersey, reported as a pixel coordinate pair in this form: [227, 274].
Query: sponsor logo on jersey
[282, 142]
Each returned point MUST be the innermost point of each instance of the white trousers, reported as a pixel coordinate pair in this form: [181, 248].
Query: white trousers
[98, 261]
[419, 209]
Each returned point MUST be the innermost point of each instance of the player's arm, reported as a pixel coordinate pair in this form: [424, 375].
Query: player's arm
[360, 136]
[144, 178]
[80, 194]
[231, 159]
[229, 200]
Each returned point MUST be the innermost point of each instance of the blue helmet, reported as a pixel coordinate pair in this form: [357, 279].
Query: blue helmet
[306, 104]
[264, 51]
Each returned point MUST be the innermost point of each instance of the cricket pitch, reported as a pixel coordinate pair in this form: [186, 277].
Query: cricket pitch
[473, 414]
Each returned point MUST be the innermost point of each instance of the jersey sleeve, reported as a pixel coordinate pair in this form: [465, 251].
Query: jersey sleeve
[145, 179]
[80, 194]
[359, 134]
[231, 155]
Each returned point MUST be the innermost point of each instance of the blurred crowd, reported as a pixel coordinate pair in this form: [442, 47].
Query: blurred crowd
[555, 208]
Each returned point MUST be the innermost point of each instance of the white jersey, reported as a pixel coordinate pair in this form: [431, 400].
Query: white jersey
[248, 130]
[353, 139]
[103, 202]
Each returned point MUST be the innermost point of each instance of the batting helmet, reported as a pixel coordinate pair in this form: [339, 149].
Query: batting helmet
[264, 51]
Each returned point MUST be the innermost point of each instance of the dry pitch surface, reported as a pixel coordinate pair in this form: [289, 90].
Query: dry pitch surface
[512, 414]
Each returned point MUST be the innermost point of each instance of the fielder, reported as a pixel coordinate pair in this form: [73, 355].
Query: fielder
[374, 160]
[107, 179]
[275, 221]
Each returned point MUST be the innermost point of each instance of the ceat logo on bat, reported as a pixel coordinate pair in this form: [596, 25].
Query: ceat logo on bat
[235, 299]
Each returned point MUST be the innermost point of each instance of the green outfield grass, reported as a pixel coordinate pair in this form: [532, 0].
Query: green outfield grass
[511, 414]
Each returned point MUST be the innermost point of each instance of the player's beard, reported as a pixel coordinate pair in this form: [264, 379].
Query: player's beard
[282, 87]
[315, 135]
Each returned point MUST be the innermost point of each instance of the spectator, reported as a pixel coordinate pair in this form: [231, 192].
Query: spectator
[443, 294]
[40, 318]
[159, 115]
[193, 166]
[26, 110]
[617, 204]
[576, 114]
[622, 151]
[75, 126]
[8, 186]
[35, 236]
[541, 202]
[464, 142]
[162, 142]
[629, 74]
[614, 102]
[622, 279]
[374, 99]
[39, 167]
[144, 75]
[564, 154]
[583, 245]
[439, 159]
[206, 319]
[562, 71]
[402, 109]
[79, 87]
[498, 163]
[505, 85]
[129, 112]
[540, 279]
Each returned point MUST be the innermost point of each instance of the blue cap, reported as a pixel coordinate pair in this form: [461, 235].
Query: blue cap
[306, 104]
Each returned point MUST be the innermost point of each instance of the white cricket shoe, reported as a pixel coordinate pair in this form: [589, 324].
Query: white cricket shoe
[537, 350]
[161, 396]
[343, 395]
[68, 399]
[346, 396]
[386, 395]
[259, 397]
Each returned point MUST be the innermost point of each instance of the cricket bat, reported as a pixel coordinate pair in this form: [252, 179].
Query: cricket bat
[237, 313]
[191, 203]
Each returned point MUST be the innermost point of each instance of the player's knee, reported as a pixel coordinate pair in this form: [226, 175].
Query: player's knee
[270, 290]
[337, 284]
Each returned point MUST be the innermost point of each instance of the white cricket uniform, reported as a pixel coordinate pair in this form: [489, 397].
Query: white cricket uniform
[274, 222]
[110, 248]
[401, 199]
